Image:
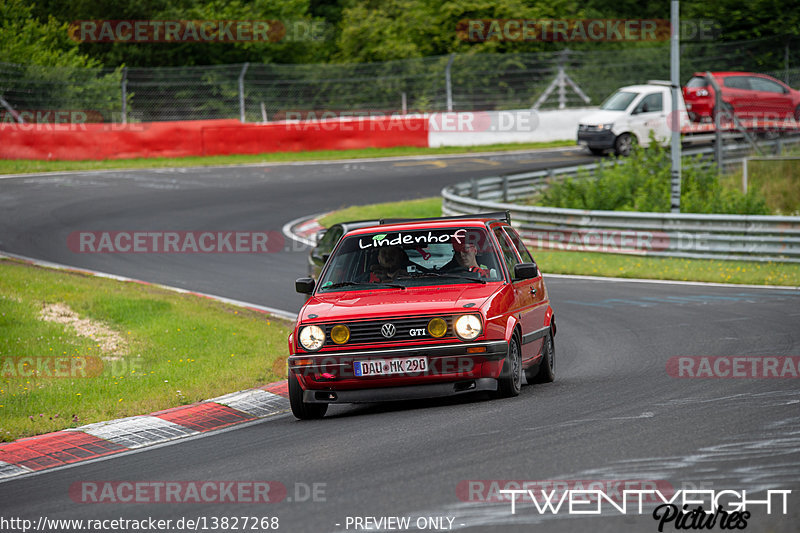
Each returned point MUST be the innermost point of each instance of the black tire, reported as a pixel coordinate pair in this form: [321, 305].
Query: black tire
[301, 409]
[510, 381]
[547, 366]
[624, 144]
[597, 151]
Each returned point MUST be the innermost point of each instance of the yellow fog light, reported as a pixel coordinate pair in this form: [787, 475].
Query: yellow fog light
[340, 334]
[437, 327]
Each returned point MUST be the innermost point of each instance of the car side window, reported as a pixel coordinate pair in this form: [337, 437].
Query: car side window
[519, 245]
[650, 103]
[761, 84]
[509, 257]
[737, 82]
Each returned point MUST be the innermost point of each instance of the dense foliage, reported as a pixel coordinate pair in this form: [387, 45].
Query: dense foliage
[642, 183]
[35, 31]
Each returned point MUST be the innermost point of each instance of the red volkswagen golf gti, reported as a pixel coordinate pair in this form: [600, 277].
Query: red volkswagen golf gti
[421, 309]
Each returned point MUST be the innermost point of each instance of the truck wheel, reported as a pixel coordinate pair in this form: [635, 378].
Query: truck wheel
[301, 409]
[624, 144]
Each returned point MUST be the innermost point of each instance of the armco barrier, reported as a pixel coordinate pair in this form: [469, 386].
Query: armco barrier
[742, 237]
[205, 137]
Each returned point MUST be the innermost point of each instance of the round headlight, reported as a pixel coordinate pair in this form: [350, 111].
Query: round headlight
[468, 327]
[340, 334]
[312, 338]
[437, 327]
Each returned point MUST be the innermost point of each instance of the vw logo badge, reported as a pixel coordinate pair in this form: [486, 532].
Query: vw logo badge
[388, 330]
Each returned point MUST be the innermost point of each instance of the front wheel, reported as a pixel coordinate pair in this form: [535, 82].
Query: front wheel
[624, 144]
[301, 409]
[510, 381]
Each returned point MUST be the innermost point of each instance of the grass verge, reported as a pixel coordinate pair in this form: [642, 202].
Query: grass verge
[22, 166]
[176, 349]
[604, 264]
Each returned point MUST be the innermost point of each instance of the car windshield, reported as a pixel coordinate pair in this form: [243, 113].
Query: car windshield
[415, 258]
[619, 101]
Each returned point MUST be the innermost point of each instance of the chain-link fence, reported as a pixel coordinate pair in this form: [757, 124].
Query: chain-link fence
[467, 82]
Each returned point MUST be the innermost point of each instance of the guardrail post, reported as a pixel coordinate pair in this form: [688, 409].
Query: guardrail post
[124, 95]
[744, 175]
[473, 192]
[505, 188]
[241, 92]
[448, 82]
[778, 146]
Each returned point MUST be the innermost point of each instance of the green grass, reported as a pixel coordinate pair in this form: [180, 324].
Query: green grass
[604, 264]
[422, 208]
[777, 180]
[182, 349]
[21, 166]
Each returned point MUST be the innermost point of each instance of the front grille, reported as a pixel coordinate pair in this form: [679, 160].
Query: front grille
[369, 331]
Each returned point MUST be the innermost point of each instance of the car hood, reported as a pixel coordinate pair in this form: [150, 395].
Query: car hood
[355, 305]
[601, 117]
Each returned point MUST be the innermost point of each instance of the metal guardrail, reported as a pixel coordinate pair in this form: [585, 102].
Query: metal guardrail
[738, 237]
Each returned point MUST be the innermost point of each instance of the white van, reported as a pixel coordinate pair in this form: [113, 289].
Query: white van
[628, 116]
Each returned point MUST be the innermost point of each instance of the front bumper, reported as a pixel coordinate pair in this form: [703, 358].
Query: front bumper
[601, 140]
[410, 392]
[448, 365]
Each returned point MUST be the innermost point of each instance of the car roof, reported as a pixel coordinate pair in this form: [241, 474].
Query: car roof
[355, 224]
[642, 87]
[725, 74]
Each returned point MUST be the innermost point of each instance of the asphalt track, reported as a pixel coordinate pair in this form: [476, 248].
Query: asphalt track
[614, 412]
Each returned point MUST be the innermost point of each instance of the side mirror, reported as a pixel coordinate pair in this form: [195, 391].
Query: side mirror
[304, 285]
[320, 234]
[525, 271]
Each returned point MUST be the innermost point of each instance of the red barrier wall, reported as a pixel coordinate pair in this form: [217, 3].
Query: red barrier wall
[205, 137]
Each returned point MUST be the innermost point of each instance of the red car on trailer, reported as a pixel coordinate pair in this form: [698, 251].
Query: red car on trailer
[460, 306]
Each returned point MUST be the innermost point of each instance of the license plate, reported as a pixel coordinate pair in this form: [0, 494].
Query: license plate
[385, 367]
